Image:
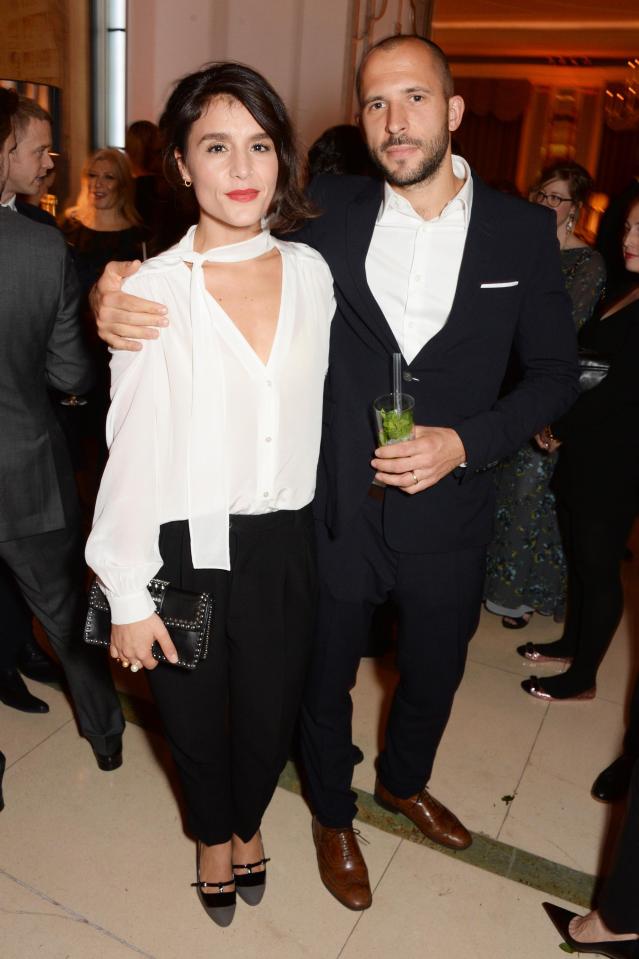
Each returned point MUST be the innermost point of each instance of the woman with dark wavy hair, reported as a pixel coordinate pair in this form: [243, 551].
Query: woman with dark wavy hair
[214, 434]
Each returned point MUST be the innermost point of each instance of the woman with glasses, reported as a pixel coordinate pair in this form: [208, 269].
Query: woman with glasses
[526, 569]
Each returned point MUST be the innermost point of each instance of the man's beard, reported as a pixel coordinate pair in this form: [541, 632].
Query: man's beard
[430, 164]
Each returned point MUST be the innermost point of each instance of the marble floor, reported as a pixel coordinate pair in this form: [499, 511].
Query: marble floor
[97, 866]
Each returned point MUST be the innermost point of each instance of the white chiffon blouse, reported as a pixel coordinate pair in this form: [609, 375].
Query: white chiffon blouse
[199, 428]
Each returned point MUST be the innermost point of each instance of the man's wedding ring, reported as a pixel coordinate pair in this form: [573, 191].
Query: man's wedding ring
[135, 668]
[415, 480]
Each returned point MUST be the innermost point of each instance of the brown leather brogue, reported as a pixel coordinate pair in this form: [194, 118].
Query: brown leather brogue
[432, 818]
[341, 866]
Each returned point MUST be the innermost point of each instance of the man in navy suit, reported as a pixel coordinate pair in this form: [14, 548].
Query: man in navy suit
[453, 275]
[433, 264]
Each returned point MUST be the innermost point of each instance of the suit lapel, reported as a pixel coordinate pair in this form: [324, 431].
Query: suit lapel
[360, 223]
[477, 259]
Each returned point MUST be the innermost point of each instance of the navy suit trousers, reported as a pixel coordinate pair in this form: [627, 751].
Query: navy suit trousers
[438, 599]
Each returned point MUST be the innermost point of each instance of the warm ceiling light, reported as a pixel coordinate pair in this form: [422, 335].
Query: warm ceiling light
[622, 101]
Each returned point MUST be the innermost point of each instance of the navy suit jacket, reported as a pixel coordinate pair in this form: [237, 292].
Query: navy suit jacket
[456, 378]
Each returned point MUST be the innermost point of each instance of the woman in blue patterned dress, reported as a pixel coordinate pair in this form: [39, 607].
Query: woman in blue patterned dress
[526, 570]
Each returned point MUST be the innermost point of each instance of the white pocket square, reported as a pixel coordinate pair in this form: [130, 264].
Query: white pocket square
[499, 286]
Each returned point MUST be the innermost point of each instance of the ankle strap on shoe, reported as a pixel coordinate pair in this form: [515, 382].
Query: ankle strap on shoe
[250, 865]
[214, 885]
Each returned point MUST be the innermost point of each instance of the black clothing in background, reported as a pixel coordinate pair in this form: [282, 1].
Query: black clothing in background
[179, 212]
[155, 202]
[631, 739]
[93, 249]
[35, 213]
[609, 238]
[598, 466]
[619, 901]
[597, 486]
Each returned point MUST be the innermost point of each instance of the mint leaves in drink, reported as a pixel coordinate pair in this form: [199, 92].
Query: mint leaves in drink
[395, 426]
[394, 418]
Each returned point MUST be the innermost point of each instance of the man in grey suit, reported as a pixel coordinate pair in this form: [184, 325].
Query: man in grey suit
[40, 533]
[29, 164]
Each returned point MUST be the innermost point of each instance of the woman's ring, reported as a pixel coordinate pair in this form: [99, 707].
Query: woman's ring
[135, 667]
[125, 664]
[412, 473]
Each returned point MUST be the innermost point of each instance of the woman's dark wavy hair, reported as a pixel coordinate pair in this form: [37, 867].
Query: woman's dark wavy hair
[289, 207]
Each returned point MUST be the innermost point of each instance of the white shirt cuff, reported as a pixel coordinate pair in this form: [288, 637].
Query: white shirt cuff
[130, 609]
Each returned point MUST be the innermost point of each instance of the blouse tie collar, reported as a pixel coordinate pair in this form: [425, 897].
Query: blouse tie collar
[207, 485]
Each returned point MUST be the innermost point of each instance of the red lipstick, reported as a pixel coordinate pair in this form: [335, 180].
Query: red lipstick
[243, 196]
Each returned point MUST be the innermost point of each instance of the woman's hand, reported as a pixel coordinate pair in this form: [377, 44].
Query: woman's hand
[132, 642]
[546, 441]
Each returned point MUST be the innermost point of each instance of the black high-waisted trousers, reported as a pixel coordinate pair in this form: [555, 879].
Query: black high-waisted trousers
[230, 720]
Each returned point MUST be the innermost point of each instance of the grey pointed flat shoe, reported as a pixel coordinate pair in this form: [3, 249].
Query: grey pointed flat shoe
[251, 885]
[219, 906]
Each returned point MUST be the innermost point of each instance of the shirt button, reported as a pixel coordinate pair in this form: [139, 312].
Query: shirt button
[269, 383]
[266, 494]
[268, 439]
[418, 279]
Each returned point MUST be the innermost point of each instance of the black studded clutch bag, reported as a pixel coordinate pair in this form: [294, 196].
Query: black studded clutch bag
[187, 616]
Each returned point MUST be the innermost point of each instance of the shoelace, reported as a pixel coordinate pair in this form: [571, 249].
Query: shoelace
[346, 841]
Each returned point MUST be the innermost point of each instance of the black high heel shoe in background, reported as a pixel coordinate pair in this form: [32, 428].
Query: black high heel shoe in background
[516, 622]
[620, 949]
[219, 906]
[613, 783]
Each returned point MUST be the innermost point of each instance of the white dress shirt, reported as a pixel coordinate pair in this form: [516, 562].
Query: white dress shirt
[11, 204]
[412, 264]
[199, 427]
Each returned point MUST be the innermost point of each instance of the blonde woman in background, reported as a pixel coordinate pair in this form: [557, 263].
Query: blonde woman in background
[102, 225]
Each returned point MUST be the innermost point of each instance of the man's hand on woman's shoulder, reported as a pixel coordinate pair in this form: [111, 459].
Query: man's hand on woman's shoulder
[124, 319]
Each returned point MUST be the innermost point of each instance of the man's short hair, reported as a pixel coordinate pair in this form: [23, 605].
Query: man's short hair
[389, 43]
[8, 108]
[27, 111]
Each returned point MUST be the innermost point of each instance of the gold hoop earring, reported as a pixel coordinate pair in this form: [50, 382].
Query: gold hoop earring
[187, 182]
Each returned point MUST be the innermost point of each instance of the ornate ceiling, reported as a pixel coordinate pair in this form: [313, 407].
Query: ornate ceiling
[576, 28]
